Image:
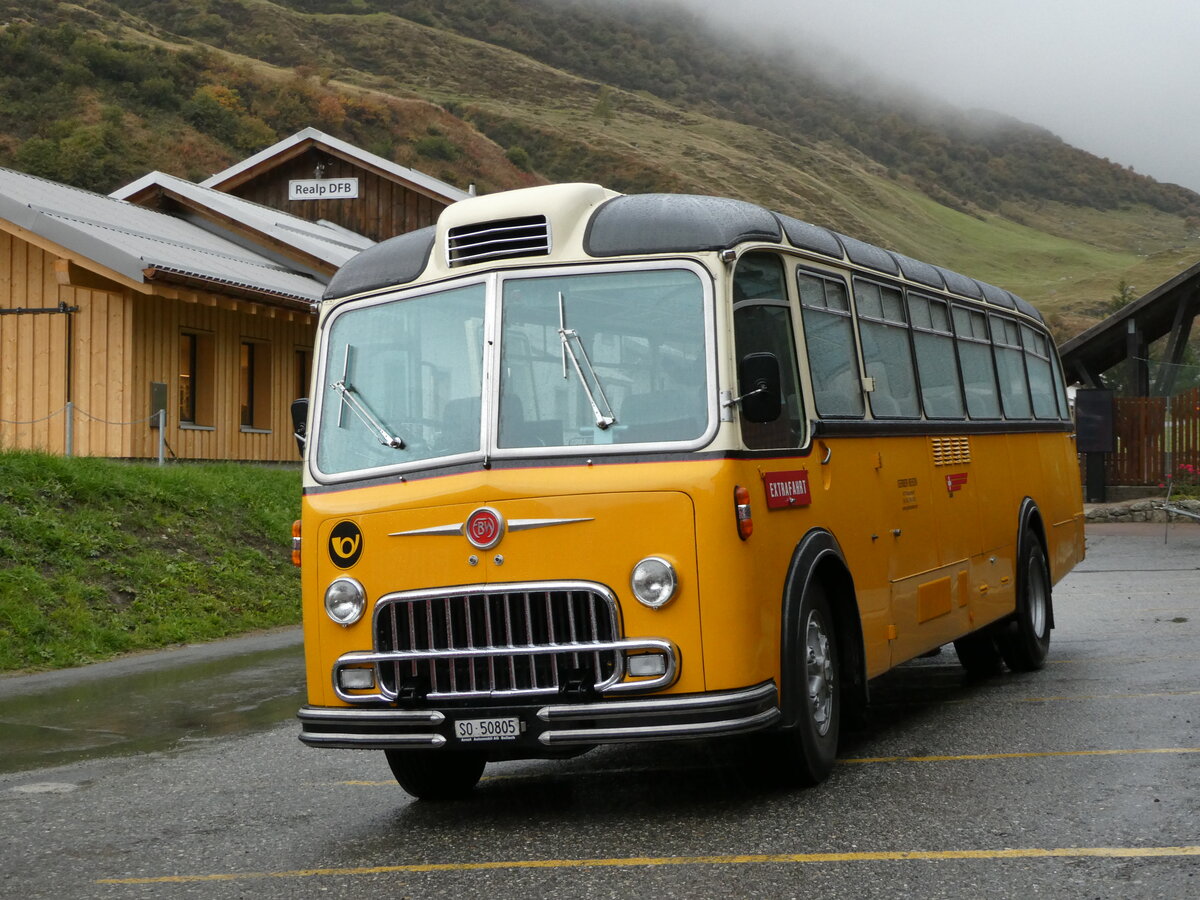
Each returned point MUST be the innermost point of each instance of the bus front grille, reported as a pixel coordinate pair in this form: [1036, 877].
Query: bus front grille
[507, 640]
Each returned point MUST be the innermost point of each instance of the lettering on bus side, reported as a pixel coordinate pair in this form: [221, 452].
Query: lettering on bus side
[787, 490]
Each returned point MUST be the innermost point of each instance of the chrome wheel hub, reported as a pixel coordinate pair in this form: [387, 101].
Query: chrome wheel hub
[819, 674]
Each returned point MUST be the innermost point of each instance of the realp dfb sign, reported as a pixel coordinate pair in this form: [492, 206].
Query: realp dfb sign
[323, 189]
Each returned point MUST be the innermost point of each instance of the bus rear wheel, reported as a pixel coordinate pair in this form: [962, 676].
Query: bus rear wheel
[979, 654]
[436, 774]
[1025, 642]
[805, 753]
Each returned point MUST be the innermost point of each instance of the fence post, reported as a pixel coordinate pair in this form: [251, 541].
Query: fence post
[162, 434]
[70, 428]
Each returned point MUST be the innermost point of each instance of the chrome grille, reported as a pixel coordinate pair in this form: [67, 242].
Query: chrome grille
[526, 236]
[510, 640]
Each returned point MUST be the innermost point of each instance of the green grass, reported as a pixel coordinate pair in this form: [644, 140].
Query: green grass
[100, 558]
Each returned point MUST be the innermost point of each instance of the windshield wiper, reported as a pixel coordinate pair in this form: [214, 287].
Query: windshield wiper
[351, 398]
[571, 341]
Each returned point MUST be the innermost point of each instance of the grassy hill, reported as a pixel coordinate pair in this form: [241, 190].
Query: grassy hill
[99, 558]
[504, 93]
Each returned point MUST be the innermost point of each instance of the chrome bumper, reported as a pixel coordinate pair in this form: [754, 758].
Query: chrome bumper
[548, 726]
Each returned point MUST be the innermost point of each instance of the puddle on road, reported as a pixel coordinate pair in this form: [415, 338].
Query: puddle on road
[150, 711]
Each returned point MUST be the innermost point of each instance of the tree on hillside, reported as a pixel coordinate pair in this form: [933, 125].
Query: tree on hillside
[1125, 294]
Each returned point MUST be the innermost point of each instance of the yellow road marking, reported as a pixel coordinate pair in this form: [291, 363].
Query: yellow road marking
[723, 860]
[1027, 755]
[1123, 659]
[1095, 697]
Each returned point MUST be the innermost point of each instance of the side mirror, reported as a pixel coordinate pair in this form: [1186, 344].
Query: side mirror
[300, 422]
[758, 380]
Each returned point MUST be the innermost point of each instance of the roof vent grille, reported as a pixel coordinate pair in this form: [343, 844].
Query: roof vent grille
[507, 238]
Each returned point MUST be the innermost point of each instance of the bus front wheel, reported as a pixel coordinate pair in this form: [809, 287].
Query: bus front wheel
[436, 774]
[807, 751]
[1025, 642]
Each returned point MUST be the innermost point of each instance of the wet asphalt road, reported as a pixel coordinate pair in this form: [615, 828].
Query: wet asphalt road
[1082, 780]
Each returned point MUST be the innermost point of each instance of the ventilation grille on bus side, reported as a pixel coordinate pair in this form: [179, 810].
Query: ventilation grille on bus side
[508, 238]
[951, 451]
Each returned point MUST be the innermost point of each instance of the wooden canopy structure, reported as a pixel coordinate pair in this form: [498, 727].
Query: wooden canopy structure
[1126, 336]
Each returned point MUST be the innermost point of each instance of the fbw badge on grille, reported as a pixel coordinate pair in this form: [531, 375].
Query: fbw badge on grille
[484, 528]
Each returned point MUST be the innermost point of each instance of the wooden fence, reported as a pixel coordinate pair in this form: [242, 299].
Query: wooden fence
[1150, 445]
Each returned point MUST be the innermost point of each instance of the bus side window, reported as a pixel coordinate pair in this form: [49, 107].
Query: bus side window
[1010, 366]
[829, 336]
[762, 322]
[887, 354]
[937, 365]
[975, 359]
[1039, 367]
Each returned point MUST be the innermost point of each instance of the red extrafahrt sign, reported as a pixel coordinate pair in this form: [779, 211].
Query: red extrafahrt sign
[787, 489]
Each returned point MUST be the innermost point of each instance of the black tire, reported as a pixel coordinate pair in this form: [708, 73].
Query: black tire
[979, 654]
[1025, 640]
[805, 753]
[436, 774]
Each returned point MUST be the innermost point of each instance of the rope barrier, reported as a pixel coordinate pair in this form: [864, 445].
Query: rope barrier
[81, 412]
[69, 439]
[88, 415]
[33, 421]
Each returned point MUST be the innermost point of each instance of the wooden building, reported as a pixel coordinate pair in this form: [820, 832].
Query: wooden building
[109, 310]
[315, 176]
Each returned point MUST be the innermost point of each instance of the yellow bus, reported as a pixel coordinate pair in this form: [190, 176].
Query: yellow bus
[585, 468]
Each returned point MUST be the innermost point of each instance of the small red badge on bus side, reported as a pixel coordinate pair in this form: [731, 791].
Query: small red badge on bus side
[955, 482]
[787, 489]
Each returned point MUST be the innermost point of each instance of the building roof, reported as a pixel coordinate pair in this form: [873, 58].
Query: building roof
[1167, 309]
[301, 141]
[322, 246]
[145, 245]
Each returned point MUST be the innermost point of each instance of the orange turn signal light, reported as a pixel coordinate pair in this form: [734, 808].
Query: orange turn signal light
[741, 509]
[296, 543]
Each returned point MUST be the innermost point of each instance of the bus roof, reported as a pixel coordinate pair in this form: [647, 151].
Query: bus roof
[636, 224]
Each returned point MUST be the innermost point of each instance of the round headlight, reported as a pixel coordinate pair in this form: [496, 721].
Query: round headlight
[653, 581]
[345, 600]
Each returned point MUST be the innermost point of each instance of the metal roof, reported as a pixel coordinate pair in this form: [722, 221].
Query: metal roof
[143, 244]
[1167, 309]
[323, 240]
[419, 179]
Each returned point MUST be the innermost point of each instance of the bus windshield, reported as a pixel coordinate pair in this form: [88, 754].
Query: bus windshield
[586, 359]
[410, 369]
[602, 358]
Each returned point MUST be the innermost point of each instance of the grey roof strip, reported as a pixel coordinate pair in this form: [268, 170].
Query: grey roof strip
[654, 223]
[811, 237]
[868, 255]
[395, 261]
[920, 272]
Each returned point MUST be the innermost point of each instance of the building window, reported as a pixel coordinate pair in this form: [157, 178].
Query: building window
[255, 382]
[303, 373]
[187, 378]
[195, 378]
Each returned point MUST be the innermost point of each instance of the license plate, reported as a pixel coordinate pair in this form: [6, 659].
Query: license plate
[506, 728]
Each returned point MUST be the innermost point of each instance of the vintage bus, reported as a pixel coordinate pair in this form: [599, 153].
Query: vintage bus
[585, 468]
